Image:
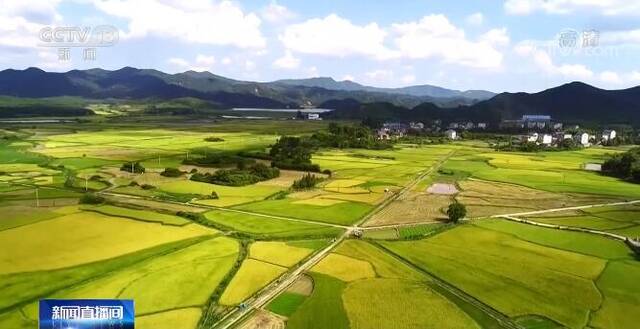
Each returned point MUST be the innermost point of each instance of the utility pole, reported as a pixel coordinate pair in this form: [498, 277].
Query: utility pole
[37, 198]
[158, 159]
[86, 184]
[133, 172]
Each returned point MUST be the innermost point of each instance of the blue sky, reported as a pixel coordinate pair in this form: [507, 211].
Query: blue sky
[508, 45]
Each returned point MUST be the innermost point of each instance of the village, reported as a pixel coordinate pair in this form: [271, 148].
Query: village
[536, 129]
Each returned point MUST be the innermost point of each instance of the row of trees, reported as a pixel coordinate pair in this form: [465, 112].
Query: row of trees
[240, 176]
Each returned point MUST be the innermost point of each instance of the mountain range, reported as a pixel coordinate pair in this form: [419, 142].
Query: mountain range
[572, 102]
[132, 83]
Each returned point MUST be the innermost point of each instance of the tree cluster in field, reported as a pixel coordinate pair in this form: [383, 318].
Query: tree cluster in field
[214, 139]
[456, 211]
[90, 198]
[308, 181]
[294, 153]
[240, 176]
[171, 172]
[349, 136]
[219, 160]
[133, 167]
[624, 165]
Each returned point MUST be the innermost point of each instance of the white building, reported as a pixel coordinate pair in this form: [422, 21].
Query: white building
[482, 125]
[451, 134]
[531, 137]
[313, 116]
[416, 125]
[546, 139]
[582, 138]
[608, 135]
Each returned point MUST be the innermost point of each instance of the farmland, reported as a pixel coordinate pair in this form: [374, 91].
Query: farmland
[192, 253]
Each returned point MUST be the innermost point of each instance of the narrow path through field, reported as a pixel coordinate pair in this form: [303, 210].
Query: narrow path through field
[514, 217]
[270, 292]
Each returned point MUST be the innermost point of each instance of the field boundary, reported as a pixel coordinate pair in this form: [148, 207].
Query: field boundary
[514, 218]
[501, 318]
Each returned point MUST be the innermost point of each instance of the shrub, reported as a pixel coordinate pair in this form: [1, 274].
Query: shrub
[624, 165]
[214, 139]
[171, 172]
[307, 181]
[456, 211]
[147, 187]
[133, 167]
[90, 198]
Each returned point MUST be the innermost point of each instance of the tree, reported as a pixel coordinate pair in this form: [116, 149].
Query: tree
[456, 211]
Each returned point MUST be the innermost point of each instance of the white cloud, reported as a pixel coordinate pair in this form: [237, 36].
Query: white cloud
[313, 72]
[37, 11]
[288, 61]
[48, 60]
[249, 65]
[348, 77]
[205, 60]
[226, 61]
[201, 63]
[544, 62]
[435, 37]
[408, 79]
[604, 7]
[215, 23]
[497, 37]
[475, 19]
[337, 37]
[22, 22]
[380, 75]
[276, 13]
[620, 37]
[610, 77]
[181, 62]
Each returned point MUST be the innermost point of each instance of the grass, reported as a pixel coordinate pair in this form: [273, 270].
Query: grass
[267, 227]
[511, 275]
[81, 163]
[142, 215]
[383, 303]
[621, 306]
[182, 318]
[184, 278]
[324, 308]
[582, 243]
[413, 208]
[20, 288]
[412, 232]
[16, 215]
[623, 220]
[278, 253]
[344, 268]
[252, 276]
[228, 195]
[286, 303]
[55, 243]
[344, 213]
[384, 265]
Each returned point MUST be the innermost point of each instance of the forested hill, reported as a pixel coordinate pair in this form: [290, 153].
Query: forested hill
[573, 102]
